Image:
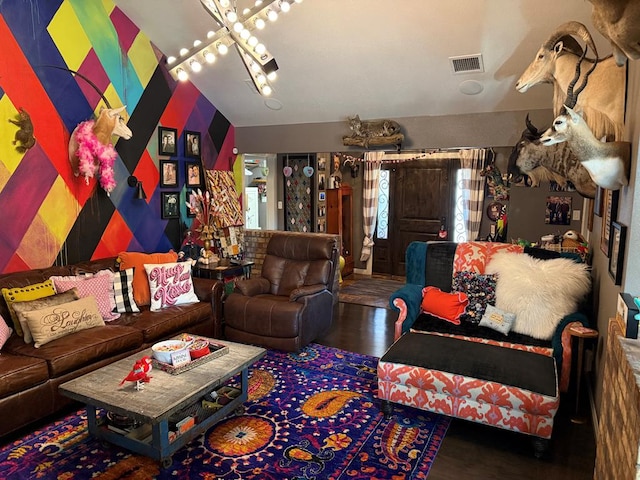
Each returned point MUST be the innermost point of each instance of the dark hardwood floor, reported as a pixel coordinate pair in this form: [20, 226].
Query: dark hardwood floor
[471, 450]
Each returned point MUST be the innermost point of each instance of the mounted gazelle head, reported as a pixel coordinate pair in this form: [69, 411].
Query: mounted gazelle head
[110, 122]
[563, 128]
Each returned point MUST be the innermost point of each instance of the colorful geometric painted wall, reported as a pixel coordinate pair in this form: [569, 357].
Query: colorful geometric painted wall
[45, 208]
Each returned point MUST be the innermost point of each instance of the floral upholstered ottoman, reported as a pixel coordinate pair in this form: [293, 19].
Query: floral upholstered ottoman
[498, 386]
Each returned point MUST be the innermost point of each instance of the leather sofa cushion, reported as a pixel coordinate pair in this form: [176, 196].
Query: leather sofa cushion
[82, 348]
[20, 373]
[162, 323]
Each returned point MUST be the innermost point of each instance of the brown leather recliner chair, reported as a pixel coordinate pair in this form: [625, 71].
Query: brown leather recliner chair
[291, 304]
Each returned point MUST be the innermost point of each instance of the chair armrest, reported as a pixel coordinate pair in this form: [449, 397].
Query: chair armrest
[411, 295]
[306, 290]
[561, 342]
[251, 287]
[211, 291]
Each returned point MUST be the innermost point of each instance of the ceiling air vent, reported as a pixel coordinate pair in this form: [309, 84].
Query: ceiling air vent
[467, 64]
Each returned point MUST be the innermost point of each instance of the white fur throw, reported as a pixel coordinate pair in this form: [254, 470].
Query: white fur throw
[539, 292]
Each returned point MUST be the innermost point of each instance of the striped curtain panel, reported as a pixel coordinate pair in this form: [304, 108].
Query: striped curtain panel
[372, 162]
[472, 162]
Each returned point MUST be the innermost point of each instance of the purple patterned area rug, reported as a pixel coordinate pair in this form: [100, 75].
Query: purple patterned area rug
[311, 415]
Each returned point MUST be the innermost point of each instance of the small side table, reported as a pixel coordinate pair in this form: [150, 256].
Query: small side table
[580, 332]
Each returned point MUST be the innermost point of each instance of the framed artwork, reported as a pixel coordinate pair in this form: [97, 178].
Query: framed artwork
[609, 213]
[192, 144]
[170, 204]
[168, 173]
[187, 197]
[167, 144]
[193, 174]
[322, 164]
[616, 251]
[321, 196]
[558, 211]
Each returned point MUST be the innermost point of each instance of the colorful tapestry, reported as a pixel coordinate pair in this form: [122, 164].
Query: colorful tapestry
[310, 415]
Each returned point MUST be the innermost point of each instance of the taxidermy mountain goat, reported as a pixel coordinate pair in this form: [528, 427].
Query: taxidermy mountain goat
[602, 101]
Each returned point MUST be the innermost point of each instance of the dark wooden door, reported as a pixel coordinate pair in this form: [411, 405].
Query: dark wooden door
[421, 194]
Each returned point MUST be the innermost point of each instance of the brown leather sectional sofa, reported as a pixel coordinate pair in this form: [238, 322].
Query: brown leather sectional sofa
[29, 376]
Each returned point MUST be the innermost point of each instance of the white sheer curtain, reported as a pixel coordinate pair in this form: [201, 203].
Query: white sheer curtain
[372, 162]
[472, 162]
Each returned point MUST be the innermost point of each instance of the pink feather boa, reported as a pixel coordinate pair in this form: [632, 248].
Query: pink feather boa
[90, 149]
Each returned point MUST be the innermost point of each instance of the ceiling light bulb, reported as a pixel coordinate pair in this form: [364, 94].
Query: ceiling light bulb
[252, 41]
[266, 90]
[195, 66]
[246, 11]
[298, 1]
[209, 57]
[272, 15]
[224, 3]
[255, 67]
[222, 48]
[272, 76]
[210, 33]
[171, 60]
[285, 6]
[183, 51]
[258, 3]
[245, 34]
[238, 27]
[231, 16]
[182, 75]
[196, 43]
[261, 79]
[260, 23]
[260, 49]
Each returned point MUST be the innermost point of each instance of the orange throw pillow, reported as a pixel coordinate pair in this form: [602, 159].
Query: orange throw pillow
[136, 260]
[446, 306]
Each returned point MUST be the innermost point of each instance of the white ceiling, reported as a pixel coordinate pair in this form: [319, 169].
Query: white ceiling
[378, 59]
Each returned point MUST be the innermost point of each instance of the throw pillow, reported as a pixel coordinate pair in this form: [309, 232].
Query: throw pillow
[23, 294]
[497, 319]
[5, 332]
[539, 292]
[123, 291]
[99, 286]
[58, 321]
[446, 306]
[136, 260]
[170, 284]
[22, 307]
[481, 291]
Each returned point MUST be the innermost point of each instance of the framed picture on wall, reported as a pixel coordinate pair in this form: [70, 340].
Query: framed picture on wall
[193, 174]
[167, 144]
[558, 211]
[168, 173]
[609, 214]
[597, 201]
[170, 204]
[616, 251]
[187, 199]
[192, 144]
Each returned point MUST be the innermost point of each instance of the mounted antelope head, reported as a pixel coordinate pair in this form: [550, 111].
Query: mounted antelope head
[606, 162]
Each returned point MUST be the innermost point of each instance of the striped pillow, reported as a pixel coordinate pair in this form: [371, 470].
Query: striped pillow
[5, 332]
[123, 290]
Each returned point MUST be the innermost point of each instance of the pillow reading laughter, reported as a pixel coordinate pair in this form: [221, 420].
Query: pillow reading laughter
[99, 286]
[58, 321]
[22, 294]
[39, 304]
[481, 291]
[497, 319]
[136, 260]
[170, 284]
[446, 306]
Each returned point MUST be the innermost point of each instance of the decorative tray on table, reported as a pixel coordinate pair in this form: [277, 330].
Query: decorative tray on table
[215, 350]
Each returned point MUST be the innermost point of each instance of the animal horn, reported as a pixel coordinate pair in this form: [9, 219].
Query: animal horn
[530, 126]
[569, 29]
[93, 85]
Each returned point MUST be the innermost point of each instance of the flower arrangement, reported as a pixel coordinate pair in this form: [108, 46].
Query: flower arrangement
[206, 212]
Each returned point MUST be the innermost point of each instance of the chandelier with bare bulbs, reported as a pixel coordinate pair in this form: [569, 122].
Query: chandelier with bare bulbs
[236, 30]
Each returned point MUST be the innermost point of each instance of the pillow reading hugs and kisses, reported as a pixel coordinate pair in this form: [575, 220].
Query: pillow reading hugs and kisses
[170, 284]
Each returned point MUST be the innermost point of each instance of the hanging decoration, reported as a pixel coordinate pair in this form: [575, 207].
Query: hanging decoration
[308, 170]
[287, 170]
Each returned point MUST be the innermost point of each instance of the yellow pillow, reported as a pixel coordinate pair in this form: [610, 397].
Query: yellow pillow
[136, 260]
[24, 294]
[58, 321]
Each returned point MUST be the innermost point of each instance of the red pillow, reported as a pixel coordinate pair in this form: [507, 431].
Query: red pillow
[446, 306]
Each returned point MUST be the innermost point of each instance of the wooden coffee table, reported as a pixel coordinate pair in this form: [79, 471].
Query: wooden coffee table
[165, 399]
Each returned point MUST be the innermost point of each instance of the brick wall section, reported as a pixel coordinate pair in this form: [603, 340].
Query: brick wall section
[255, 246]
